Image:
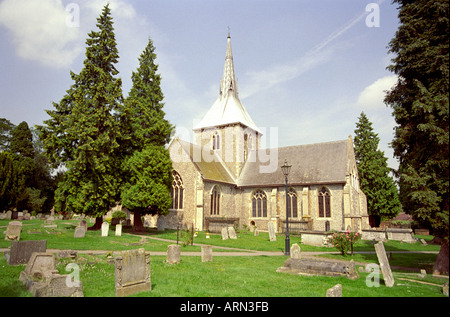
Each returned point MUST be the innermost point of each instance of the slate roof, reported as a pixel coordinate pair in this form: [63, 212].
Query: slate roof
[319, 163]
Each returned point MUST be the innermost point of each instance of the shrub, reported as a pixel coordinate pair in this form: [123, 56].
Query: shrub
[343, 241]
[119, 215]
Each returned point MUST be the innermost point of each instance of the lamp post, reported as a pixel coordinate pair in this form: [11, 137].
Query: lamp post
[287, 242]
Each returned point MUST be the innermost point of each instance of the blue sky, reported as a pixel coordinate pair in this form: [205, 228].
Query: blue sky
[306, 68]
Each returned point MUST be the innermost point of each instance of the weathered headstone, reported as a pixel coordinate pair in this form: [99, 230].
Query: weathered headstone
[21, 251]
[8, 214]
[48, 223]
[13, 231]
[384, 264]
[57, 285]
[80, 232]
[83, 223]
[324, 267]
[335, 291]
[224, 233]
[295, 251]
[132, 272]
[256, 232]
[39, 266]
[207, 253]
[423, 273]
[119, 230]
[232, 233]
[272, 235]
[105, 229]
[173, 253]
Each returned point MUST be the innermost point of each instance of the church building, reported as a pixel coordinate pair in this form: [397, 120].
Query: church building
[225, 178]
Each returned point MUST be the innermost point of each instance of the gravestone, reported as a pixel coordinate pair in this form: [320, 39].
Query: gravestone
[335, 291]
[8, 214]
[272, 235]
[119, 230]
[256, 233]
[384, 264]
[39, 266]
[132, 272]
[13, 231]
[173, 253]
[224, 233]
[80, 232]
[21, 251]
[48, 223]
[207, 253]
[105, 229]
[295, 251]
[232, 233]
[324, 267]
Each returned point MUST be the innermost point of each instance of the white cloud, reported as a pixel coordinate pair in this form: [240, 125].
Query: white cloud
[373, 95]
[39, 31]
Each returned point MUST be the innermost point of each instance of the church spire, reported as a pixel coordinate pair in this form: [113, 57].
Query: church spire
[228, 83]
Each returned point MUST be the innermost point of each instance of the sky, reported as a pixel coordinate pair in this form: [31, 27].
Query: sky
[305, 69]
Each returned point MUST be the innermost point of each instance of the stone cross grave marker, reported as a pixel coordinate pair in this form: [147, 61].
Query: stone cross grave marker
[384, 264]
[119, 230]
[224, 233]
[232, 233]
[295, 251]
[132, 272]
[21, 251]
[13, 231]
[105, 229]
[207, 253]
[173, 253]
[272, 235]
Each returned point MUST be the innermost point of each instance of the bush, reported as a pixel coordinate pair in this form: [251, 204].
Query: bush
[119, 215]
[343, 241]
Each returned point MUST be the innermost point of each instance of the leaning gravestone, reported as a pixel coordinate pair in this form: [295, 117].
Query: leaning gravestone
[224, 233]
[207, 253]
[80, 232]
[335, 291]
[272, 235]
[173, 253]
[295, 251]
[384, 264]
[119, 230]
[21, 251]
[132, 272]
[232, 233]
[13, 231]
[105, 229]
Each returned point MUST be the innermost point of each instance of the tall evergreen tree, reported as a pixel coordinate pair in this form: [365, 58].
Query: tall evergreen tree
[22, 141]
[420, 102]
[10, 184]
[5, 133]
[146, 167]
[82, 131]
[375, 181]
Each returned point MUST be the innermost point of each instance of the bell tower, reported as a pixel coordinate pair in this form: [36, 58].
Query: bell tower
[227, 128]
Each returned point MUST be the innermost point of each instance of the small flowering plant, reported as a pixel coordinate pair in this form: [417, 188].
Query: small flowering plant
[344, 241]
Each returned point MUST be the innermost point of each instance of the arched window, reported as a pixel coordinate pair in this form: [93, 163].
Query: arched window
[259, 204]
[215, 200]
[292, 203]
[324, 203]
[216, 141]
[177, 191]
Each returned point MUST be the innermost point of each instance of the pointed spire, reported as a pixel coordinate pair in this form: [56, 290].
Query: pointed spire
[228, 83]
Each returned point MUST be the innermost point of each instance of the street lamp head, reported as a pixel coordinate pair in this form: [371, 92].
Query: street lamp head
[286, 168]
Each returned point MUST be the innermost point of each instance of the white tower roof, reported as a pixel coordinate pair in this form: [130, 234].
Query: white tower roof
[227, 109]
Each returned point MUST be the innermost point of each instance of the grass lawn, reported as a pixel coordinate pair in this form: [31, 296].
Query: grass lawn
[224, 277]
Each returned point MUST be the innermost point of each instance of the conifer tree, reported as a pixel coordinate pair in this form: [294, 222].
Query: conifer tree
[82, 132]
[420, 102]
[375, 181]
[10, 184]
[146, 166]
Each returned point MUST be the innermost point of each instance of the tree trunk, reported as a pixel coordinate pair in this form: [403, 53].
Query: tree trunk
[441, 264]
[97, 225]
[138, 226]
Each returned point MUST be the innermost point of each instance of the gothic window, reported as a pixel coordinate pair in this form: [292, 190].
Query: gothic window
[292, 203]
[216, 141]
[177, 191]
[215, 200]
[259, 204]
[324, 203]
